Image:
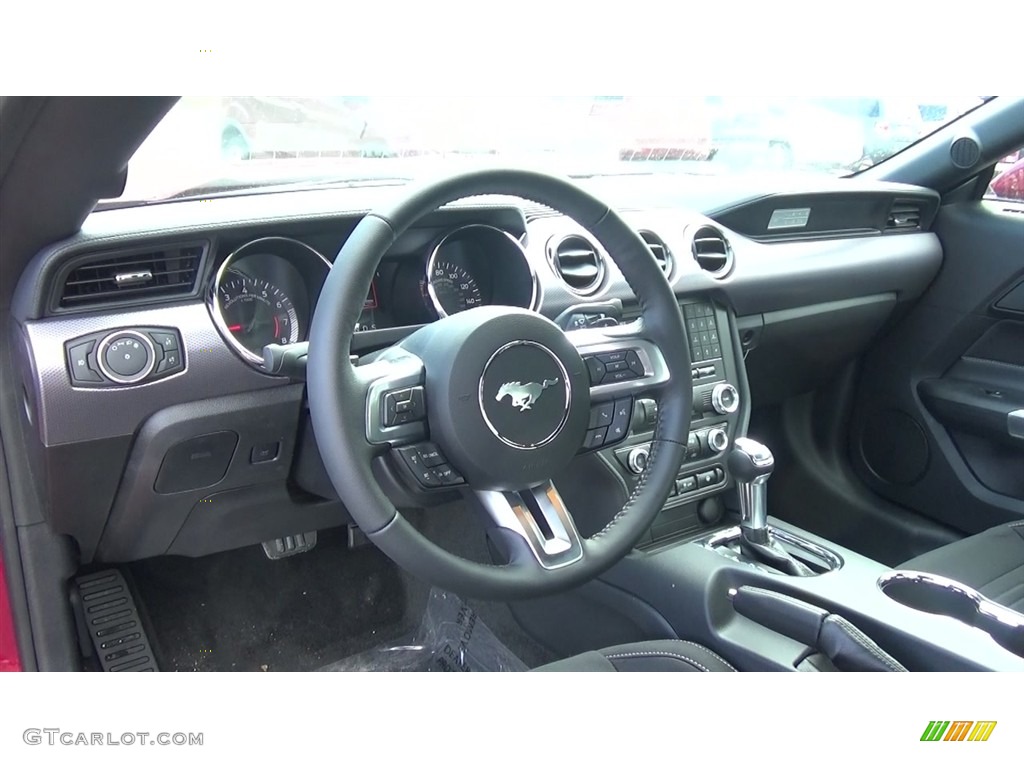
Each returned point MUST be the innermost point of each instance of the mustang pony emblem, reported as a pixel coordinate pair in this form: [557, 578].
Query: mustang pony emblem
[524, 395]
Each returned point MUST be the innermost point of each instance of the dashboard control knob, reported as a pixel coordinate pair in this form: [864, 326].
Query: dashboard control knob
[126, 357]
[637, 459]
[725, 399]
[718, 440]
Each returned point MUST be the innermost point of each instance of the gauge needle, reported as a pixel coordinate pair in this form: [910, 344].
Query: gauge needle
[234, 328]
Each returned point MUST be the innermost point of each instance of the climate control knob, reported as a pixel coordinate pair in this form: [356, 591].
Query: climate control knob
[718, 440]
[725, 399]
[637, 459]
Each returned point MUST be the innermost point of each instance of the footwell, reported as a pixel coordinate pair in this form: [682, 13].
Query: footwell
[451, 638]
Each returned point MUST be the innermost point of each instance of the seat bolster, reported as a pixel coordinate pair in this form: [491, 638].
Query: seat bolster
[650, 656]
[991, 561]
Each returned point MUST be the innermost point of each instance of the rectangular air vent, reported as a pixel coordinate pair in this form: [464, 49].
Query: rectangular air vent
[135, 276]
[904, 216]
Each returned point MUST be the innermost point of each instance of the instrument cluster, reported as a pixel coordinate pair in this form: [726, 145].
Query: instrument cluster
[265, 291]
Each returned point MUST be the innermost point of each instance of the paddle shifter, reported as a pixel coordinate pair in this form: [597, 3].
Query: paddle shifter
[751, 464]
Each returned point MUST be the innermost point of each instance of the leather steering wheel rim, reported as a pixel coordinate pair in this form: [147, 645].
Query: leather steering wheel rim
[337, 395]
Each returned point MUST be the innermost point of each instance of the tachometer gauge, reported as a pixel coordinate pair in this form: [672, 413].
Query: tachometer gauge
[256, 312]
[451, 288]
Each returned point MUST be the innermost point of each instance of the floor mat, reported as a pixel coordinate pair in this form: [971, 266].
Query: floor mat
[451, 638]
[240, 611]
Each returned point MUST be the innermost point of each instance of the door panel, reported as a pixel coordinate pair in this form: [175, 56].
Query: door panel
[931, 428]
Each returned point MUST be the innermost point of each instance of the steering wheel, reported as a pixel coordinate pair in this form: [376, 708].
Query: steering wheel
[504, 395]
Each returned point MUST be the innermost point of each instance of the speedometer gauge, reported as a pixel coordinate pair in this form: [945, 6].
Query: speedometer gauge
[257, 312]
[452, 288]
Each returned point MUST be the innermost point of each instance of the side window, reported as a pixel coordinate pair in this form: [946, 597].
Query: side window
[1008, 180]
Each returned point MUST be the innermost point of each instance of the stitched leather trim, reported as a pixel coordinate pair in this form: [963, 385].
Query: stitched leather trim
[665, 654]
[706, 650]
[994, 362]
[868, 645]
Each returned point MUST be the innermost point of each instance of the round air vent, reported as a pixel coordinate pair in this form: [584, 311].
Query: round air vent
[712, 251]
[965, 152]
[577, 263]
[660, 251]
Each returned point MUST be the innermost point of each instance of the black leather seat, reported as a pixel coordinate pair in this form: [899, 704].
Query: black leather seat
[651, 656]
[992, 562]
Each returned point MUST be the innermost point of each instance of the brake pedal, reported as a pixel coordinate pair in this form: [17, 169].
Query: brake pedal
[276, 549]
[113, 624]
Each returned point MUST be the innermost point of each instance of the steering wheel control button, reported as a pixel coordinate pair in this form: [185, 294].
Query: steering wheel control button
[525, 394]
[609, 423]
[447, 475]
[620, 420]
[595, 438]
[614, 367]
[126, 357]
[80, 366]
[427, 477]
[430, 455]
[429, 466]
[401, 406]
[601, 415]
[634, 363]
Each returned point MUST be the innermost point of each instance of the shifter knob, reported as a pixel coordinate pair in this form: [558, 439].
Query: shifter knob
[751, 463]
[750, 460]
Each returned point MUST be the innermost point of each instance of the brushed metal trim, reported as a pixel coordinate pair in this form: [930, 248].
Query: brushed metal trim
[68, 414]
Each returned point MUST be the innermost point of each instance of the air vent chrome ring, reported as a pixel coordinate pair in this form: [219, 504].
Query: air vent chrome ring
[555, 250]
[712, 251]
[666, 260]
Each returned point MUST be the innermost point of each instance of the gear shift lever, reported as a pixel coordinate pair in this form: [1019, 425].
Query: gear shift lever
[751, 463]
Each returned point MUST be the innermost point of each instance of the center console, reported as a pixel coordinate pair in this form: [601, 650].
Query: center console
[716, 570]
[720, 415]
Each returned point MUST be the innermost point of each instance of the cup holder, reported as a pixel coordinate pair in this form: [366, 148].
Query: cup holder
[929, 593]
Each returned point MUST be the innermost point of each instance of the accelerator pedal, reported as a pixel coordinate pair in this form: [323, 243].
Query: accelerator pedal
[275, 549]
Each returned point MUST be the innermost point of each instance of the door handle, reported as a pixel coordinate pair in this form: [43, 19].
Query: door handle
[973, 408]
[1015, 423]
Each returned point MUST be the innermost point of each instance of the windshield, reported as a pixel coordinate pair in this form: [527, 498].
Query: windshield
[209, 145]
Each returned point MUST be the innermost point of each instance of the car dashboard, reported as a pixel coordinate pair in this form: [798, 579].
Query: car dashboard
[158, 429]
